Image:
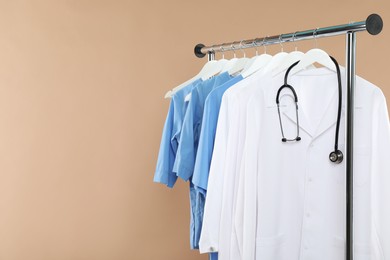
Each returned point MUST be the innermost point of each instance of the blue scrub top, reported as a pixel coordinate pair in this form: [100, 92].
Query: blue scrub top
[205, 149]
[171, 136]
[207, 135]
[186, 152]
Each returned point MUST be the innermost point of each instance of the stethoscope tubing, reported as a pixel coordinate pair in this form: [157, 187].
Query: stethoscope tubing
[336, 151]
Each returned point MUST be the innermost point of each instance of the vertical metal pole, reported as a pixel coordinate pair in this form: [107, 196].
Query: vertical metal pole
[211, 56]
[351, 75]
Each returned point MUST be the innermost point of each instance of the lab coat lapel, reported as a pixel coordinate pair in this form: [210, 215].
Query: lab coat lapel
[289, 112]
[304, 123]
[329, 118]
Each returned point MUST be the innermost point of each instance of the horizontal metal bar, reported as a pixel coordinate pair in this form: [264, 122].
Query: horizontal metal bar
[373, 24]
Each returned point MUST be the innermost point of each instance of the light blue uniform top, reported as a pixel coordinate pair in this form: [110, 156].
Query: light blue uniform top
[186, 152]
[171, 136]
[207, 135]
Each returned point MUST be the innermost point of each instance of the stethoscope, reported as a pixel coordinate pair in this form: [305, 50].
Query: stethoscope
[335, 156]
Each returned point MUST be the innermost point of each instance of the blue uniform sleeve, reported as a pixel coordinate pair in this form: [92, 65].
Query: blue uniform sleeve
[166, 155]
[186, 152]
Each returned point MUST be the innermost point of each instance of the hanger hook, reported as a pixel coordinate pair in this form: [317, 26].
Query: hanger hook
[280, 41]
[254, 44]
[242, 48]
[222, 51]
[265, 46]
[315, 36]
[212, 48]
[295, 44]
[233, 49]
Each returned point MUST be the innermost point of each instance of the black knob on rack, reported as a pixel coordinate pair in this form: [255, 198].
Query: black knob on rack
[197, 50]
[374, 24]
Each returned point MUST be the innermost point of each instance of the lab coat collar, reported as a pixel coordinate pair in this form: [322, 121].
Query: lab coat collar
[329, 118]
[304, 123]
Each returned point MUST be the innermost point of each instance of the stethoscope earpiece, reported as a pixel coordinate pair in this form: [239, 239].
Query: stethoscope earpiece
[336, 156]
[285, 140]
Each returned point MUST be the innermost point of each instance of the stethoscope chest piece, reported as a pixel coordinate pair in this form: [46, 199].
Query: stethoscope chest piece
[336, 156]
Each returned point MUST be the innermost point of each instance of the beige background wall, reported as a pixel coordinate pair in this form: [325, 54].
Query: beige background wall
[82, 110]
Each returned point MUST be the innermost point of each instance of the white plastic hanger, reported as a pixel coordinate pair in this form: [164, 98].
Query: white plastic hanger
[257, 62]
[290, 59]
[315, 55]
[210, 69]
[182, 85]
[239, 65]
[230, 63]
[287, 61]
[251, 60]
[222, 61]
[276, 59]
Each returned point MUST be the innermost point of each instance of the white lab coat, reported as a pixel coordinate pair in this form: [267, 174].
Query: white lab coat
[218, 233]
[288, 199]
[301, 194]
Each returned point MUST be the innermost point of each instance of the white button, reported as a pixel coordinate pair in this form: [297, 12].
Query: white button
[310, 179]
[306, 248]
[311, 145]
[308, 215]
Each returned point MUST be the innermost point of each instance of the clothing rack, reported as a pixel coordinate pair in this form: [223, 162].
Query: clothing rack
[373, 24]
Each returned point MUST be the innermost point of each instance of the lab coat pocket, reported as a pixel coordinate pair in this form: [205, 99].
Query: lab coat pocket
[270, 248]
[362, 162]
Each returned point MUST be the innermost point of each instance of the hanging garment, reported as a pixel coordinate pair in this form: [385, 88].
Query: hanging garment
[254, 197]
[207, 135]
[300, 193]
[206, 144]
[171, 137]
[186, 153]
[310, 189]
[170, 142]
[221, 180]
[183, 125]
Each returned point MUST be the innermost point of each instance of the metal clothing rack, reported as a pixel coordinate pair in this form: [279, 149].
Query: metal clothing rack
[373, 24]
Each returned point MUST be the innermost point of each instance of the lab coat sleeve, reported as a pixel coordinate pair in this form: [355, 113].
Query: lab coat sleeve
[380, 165]
[209, 239]
[167, 152]
[251, 183]
[239, 212]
